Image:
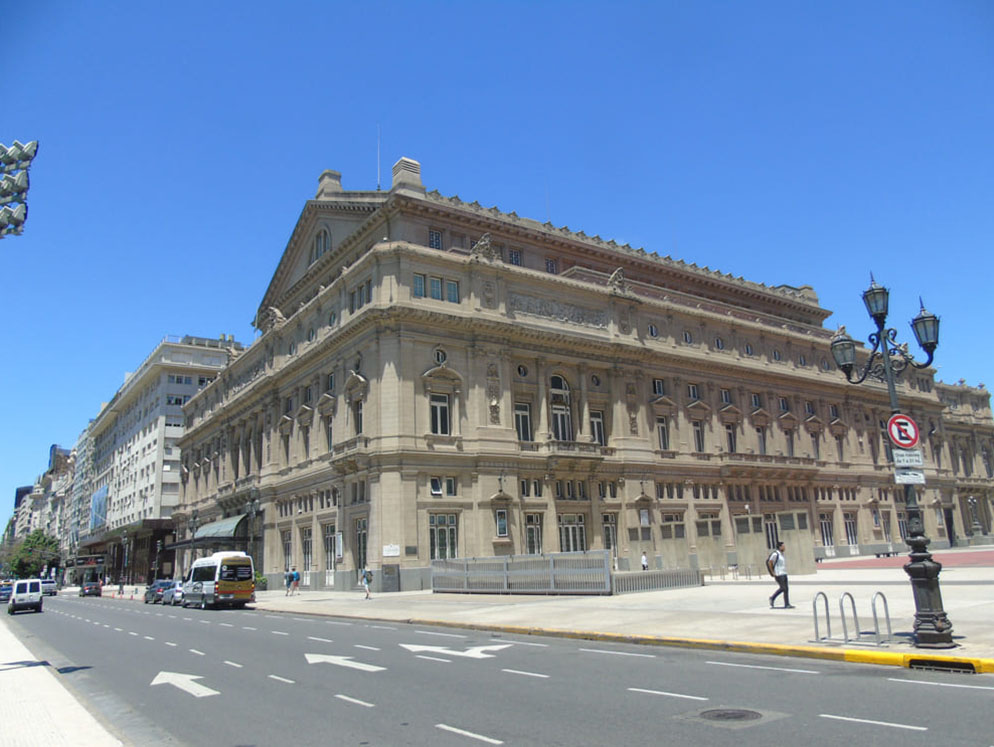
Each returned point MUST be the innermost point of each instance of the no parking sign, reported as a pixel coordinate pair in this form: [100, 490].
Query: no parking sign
[903, 431]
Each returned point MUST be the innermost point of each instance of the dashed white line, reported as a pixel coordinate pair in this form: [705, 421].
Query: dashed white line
[119, 630]
[273, 617]
[442, 635]
[131, 632]
[347, 699]
[940, 684]
[434, 658]
[469, 734]
[300, 619]
[170, 643]
[617, 653]
[246, 627]
[322, 640]
[281, 679]
[149, 638]
[226, 625]
[526, 643]
[382, 627]
[198, 653]
[233, 664]
[875, 723]
[204, 622]
[663, 692]
[526, 674]
[757, 666]
[278, 632]
[368, 648]
[336, 622]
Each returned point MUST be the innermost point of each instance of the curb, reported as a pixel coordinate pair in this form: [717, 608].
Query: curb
[923, 660]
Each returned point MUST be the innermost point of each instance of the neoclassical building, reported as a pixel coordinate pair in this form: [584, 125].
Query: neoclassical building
[436, 378]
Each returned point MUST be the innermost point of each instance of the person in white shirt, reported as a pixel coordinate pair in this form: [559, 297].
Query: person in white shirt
[777, 566]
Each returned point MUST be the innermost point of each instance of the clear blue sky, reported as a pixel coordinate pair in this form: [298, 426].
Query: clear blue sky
[787, 142]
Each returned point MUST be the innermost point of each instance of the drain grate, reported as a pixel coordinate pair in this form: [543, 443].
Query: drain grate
[730, 714]
[942, 665]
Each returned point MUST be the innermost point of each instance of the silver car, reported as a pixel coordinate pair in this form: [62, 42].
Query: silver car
[173, 594]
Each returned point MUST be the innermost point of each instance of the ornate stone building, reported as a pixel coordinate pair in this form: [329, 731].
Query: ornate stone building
[435, 378]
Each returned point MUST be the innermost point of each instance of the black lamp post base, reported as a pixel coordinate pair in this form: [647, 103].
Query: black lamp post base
[932, 628]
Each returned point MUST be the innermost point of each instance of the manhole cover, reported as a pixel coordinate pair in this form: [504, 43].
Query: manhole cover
[730, 714]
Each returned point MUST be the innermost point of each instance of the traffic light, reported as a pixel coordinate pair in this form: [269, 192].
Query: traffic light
[14, 183]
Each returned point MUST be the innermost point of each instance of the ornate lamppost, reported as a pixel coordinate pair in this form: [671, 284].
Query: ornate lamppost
[194, 514]
[977, 528]
[252, 509]
[124, 547]
[887, 360]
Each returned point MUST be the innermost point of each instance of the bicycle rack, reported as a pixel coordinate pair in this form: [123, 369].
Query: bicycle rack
[828, 619]
[876, 624]
[858, 634]
[842, 612]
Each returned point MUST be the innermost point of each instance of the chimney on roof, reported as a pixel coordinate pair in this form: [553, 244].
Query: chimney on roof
[329, 183]
[407, 175]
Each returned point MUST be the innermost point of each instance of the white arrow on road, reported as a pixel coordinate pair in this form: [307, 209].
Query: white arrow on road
[342, 661]
[476, 652]
[184, 682]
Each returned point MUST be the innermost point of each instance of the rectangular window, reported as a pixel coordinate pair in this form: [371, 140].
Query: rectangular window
[562, 423]
[693, 391]
[305, 547]
[419, 286]
[850, 522]
[330, 545]
[658, 387]
[514, 256]
[572, 533]
[730, 437]
[809, 407]
[501, 522]
[698, 435]
[442, 536]
[761, 440]
[523, 420]
[450, 486]
[537, 488]
[597, 427]
[357, 416]
[784, 405]
[533, 534]
[789, 435]
[757, 400]
[840, 448]
[663, 431]
[330, 383]
[552, 265]
[435, 484]
[435, 288]
[827, 535]
[452, 291]
[524, 486]
[440, 414]
[815, 446]
[833, 411]
[286, 550]
[434, 239]
[726, 397]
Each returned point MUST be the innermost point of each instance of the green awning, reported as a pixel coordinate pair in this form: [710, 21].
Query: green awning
[225, 528]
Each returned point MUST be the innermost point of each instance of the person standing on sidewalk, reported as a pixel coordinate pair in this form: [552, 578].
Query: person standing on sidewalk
[367, 576]
[288, 582]
[645, 562]
[777, 566]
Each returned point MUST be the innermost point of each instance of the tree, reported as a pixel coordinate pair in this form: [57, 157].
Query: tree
[37, 551]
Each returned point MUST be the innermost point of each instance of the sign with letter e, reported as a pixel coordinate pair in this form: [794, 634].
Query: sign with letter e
[903, 431]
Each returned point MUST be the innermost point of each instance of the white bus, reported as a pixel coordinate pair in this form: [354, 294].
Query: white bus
[224, 578]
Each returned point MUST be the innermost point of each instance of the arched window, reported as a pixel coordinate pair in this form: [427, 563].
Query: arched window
[562, 420]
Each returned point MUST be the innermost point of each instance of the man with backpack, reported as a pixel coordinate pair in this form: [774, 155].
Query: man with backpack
[777, 567]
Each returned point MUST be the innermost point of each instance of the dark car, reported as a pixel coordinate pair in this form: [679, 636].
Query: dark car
[153, 593]
[6, 587]
[90, 589]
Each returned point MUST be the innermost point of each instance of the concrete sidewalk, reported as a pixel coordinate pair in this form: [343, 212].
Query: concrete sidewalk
[35, 708]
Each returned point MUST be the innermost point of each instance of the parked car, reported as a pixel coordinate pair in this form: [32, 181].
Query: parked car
[25, 596]
[6, 587]
[48, 587]
[90, 589]
[153, 593]
[174, 594]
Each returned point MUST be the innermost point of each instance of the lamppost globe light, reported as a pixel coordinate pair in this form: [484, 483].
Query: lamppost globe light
[926, 329]
[876, 299]
[844, 352]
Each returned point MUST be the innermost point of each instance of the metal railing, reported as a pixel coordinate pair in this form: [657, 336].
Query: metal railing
[557, 573]
[623, 583]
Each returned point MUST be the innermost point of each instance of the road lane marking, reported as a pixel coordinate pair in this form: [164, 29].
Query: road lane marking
[663, 692]
[940, 684]
[233, 664]
[300, 619]
[617, 653]
[342, 661]
[149, 638]
[469, 734]
[442, 635]
[474, 652]
[382, 627]
[757, 666]
[434, 658]
[278, 632]
[131, 632]
[170, 643]
[198, 653]
[204, 622]
[368, 648]
[185, 682]
[526, 674]
[322, 640]
[281, 679]
[226, 625]
[875, 723]
[336, 622]
[347, 699]
[526, 643]
[246, 627]
[274, 617]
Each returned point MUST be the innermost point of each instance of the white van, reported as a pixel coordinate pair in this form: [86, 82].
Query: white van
[224, 578]
[26, 595]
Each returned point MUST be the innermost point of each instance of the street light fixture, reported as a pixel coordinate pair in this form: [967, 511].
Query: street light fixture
[124, 546]
[193, 532]
[887, 361]
[252, 508]
[977, 528]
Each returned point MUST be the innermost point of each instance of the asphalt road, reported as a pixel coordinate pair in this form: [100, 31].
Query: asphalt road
[224, 677]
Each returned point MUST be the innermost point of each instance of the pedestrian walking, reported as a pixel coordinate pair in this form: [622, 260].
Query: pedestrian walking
[367, 576]
[287, 582]
[296, 581]
[776, 564]
[645, 562]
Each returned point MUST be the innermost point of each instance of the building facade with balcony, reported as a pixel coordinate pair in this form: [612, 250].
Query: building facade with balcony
[132, 475]
[437, 378]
